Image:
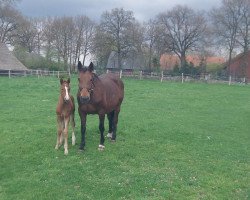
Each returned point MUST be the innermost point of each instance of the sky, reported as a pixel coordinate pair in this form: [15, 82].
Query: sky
[143, 9]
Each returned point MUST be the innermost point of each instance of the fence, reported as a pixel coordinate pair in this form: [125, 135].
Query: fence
[207, 78]
[38, 73]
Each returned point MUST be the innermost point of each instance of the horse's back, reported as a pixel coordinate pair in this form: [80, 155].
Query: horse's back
[113, 85]
[109, 78]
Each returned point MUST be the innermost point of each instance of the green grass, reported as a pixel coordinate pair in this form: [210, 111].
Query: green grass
[174, 141]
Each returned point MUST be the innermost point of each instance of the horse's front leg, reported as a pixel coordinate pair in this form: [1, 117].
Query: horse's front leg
[101, 128]
[66, 125]
[83, 117]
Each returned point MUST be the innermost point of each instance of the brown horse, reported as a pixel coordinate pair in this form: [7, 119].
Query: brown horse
[99, 95]
[65, 111]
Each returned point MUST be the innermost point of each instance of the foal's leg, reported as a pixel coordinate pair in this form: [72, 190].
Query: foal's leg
[59, 132]
[73, 129]
[66, 124]
[101, 128]
[110, 118]
[115, 122]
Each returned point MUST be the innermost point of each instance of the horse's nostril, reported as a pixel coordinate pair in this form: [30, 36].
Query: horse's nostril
[84, 99]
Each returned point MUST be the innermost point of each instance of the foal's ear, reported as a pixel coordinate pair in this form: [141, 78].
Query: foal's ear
[68, 80]
[79, 66]
[61, 81]
[91, 67]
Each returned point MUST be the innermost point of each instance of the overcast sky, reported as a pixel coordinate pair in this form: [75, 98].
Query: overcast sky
[143, 9]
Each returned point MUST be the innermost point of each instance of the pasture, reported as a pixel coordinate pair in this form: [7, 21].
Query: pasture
[174, 141]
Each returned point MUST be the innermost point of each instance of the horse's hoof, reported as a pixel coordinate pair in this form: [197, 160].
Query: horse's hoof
[109, 135]
[56, 147]
[101, 147]
[113, 140]
[81, 149]
[66, 152]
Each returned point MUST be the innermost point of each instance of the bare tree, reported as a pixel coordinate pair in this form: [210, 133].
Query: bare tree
[154, 41]
[84, 36]
[243, 32]
[9, 21]
[48, 38]
[26, 34]
[226, 20]
[63, 34]
[184, 27]
[114, 26]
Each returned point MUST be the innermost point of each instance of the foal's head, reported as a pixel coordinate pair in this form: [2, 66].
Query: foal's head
[86, 82]
[65, 89]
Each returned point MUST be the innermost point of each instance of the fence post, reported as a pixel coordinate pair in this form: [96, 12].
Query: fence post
[230, 80]
[9, 73]
[140, 75]
[120, 73]
[182, 78]
[58, 74]
[107, 71]
[161, 76]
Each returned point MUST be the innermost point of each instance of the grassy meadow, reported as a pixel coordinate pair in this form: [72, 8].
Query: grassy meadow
[174, 141]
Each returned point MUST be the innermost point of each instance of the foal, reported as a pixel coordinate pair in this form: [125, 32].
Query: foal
[65, 111]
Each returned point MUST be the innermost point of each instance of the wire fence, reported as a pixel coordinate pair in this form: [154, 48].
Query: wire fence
[161, 76]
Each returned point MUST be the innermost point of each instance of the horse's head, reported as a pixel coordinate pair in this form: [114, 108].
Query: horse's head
[65, 89]
[86, 82]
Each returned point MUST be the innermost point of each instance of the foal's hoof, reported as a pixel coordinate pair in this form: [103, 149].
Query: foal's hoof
[113, 140]
[66, 152]
[101, 147]
[56, 147]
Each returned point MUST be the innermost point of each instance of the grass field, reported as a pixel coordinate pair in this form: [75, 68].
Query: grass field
[174, 141]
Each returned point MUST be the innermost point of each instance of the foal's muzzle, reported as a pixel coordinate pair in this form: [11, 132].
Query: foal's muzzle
[66, 100]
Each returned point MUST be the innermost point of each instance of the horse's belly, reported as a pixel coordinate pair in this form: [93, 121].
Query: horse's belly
[89, 109]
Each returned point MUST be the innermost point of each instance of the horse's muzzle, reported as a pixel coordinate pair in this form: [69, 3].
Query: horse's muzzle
[84, 100]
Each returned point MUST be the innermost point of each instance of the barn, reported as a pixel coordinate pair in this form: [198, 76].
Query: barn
[8, 61]
[133, 60]
[240, 66]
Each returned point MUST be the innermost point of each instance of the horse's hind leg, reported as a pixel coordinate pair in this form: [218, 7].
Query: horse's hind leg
[110, 118]
[115, 122]
[72, 120]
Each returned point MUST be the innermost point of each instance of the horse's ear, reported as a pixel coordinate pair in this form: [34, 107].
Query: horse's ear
[61, 81]
[91, 67]
[79, 66]
[68, 80]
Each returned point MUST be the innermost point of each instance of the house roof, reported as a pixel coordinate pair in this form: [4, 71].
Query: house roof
[8, 61]
[168, 61]
[239, 56]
